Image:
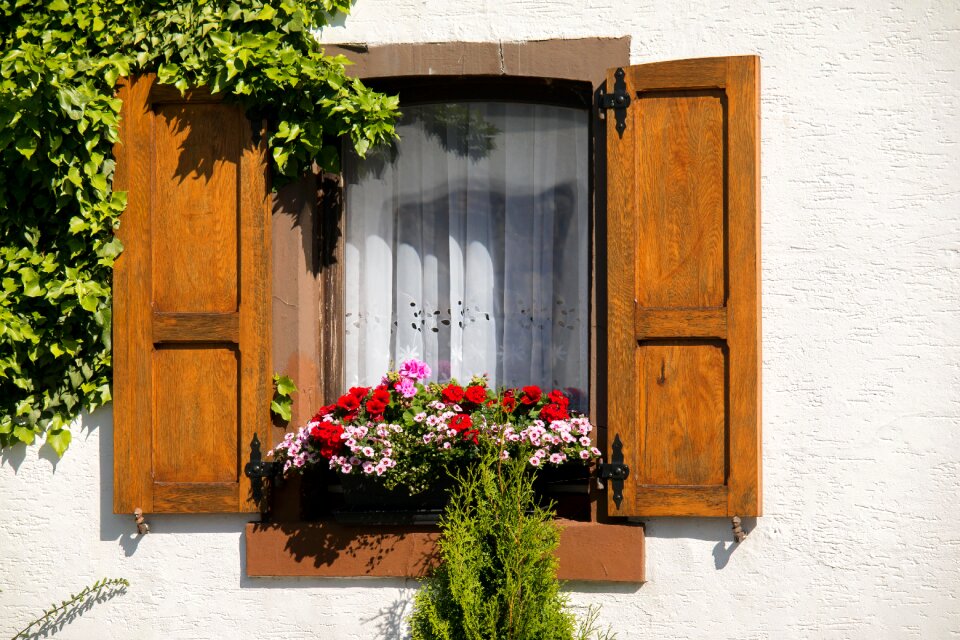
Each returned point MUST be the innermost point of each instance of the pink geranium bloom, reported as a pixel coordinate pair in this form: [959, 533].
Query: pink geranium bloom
[406, 387]
[415, 369]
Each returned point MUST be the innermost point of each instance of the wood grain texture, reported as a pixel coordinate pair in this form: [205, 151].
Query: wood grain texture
[681, 500]
[195, 497]
[192, 372]
[680, 252]
[697, 73]
[192, 327]
[132, 342]
[194, 421]
[256, 366]
[680, 323]
[623, 397]
[194, 243]
[746, 496]
[684, 383]
[684, 427]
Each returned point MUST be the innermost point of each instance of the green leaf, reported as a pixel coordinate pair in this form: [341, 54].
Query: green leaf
[31, 283]
[59, 439]
[285, 385]
[58, 6]
[27, 146]
[282, 407]
[90, 303]
[24, 434]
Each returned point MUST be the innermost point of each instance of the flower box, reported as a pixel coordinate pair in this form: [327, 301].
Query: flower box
[394, 447]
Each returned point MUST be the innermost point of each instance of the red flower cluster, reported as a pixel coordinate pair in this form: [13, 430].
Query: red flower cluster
[462, 423]
[452, 393]
[378, 402]
[327, 435]
[475, 394]
[531, 395]
[557, 408]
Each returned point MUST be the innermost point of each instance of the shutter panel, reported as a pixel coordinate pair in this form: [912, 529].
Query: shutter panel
[683, 287]
[191, 341]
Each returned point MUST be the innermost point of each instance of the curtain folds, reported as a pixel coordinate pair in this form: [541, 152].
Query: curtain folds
[467, 246]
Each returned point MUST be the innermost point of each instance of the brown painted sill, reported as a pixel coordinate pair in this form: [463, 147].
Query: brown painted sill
[589, 551]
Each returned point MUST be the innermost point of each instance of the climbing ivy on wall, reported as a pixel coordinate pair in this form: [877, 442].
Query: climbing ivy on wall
[59, 67]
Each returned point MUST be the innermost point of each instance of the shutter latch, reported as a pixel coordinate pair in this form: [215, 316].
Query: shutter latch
[619, 100]
[258, 470]
[616, 471]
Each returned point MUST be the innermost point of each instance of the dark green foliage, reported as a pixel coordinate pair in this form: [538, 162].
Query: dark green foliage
[498, 574]
[59, 66]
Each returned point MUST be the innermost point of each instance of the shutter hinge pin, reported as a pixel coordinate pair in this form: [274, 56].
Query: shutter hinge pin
[738, 533]
[142, 527]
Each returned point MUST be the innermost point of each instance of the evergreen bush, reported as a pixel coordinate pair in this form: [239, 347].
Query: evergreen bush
[498, 573]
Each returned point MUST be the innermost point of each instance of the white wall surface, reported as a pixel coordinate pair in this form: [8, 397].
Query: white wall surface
[861, 365]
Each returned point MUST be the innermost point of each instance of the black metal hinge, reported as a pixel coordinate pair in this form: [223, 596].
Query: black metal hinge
[619, 100]
[615, 470]
[258, 471]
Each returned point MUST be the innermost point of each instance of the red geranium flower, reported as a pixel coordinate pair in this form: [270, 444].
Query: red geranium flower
[359, 392]
[375, 407]
[381, 394]
[475, 394]
[452, 393]
[349, 402]
[531, 395]
[471, 435]
[509, 402]
[553, 412]
[461, 422]
[559, 397]
[327, 435]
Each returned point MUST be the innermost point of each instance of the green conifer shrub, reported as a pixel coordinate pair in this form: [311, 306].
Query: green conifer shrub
[498, 573]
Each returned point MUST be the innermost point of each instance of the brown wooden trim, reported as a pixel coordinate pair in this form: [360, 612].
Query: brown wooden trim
[132, 379]
[196, 327]
[584, 59]
[679, 500]
[743, 92]
[196, 497]
[256, 289]
[680, 323]
[588, 551]
[686, 75]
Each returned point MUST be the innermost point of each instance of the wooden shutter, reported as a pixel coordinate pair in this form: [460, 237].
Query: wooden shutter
[683, 288]
[191, 303]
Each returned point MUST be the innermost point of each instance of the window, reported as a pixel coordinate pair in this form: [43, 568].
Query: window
[467, 245]
[673, 262]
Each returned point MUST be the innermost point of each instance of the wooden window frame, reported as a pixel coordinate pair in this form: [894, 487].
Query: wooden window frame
[308, 326]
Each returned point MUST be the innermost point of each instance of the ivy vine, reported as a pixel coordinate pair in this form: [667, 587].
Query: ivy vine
[59, 69]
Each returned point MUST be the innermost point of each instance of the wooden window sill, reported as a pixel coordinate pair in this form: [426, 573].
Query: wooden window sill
[589, 551]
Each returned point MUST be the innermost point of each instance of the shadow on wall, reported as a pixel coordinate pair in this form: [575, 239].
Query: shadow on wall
[707, 529]
[56, 618]
[122, 527]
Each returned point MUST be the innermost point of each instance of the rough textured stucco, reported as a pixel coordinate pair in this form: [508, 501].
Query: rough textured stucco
[861, 365]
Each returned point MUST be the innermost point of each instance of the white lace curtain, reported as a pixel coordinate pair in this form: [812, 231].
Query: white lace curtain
[467, 246]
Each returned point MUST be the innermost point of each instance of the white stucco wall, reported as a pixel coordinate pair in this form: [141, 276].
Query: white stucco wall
[861, 365]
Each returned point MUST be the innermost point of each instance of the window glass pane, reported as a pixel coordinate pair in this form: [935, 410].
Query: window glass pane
[467, 246]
